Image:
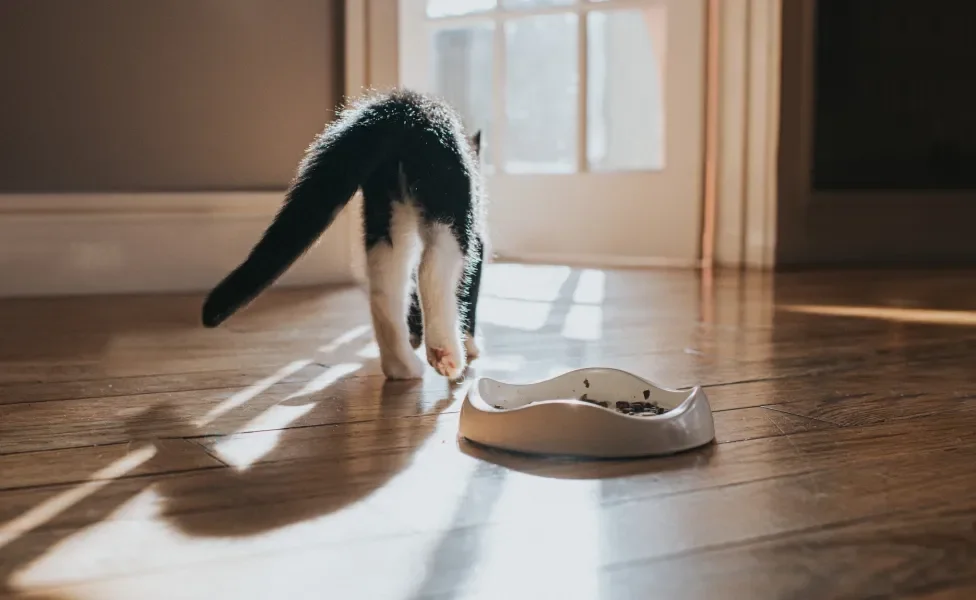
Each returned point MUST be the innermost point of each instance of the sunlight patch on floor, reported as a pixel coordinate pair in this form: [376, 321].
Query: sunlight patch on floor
[545, 542]
[584, 320]
[326, 379]
[591, 288]
[904, 315]
[52, 507]
[242, 451]
[514, 314]
[370, 350]
[524, 282]
[584, 323]
[250, 392]
[349, 336]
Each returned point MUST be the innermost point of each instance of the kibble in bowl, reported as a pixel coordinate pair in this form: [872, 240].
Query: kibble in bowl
[634, 409]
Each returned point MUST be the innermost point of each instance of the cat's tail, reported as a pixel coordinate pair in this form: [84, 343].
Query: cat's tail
[334, 167]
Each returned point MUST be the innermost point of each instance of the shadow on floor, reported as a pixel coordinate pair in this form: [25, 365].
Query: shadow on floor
[301, 478]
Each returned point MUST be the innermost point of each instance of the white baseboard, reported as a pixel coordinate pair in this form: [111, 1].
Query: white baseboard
[58, 244]
[597, 261]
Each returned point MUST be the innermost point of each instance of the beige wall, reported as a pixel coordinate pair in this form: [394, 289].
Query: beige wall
[164, 95]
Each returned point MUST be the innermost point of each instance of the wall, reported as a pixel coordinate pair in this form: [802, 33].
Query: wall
[107, 95]
[110, 107]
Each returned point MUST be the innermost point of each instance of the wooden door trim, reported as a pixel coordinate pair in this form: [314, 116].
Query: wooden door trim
[372, 63]
[748, 133]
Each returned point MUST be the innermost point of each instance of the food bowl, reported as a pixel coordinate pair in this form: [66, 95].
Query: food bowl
[561, 416]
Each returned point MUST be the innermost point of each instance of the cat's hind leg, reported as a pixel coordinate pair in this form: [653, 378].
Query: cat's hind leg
[441, 268]
[390, 262]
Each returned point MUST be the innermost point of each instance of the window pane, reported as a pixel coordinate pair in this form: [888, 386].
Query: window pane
[462, 75]
[447, 8]
[625, 89]
[541, 94]
[534, 3]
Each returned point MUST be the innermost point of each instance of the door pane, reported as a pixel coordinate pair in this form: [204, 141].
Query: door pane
[541, 81]
[447, 8]
[625, 89]
[462, 75]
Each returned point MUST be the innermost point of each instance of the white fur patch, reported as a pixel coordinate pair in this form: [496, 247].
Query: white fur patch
[441, 268]
[390, 268]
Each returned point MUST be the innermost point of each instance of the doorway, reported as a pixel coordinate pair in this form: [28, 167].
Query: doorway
[592, 117]
[878, 135]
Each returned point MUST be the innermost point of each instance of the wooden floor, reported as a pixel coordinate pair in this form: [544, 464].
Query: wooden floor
[143, 457]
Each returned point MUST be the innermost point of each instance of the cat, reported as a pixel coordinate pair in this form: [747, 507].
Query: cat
[424, 221]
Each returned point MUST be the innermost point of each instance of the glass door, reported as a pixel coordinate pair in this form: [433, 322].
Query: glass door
[592, 119]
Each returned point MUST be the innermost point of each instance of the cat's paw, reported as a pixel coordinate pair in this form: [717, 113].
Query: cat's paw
[447, 362]
[472, 347]
[407, 367]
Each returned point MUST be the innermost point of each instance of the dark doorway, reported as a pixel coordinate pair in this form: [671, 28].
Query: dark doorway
[877, 149]
[895, 95]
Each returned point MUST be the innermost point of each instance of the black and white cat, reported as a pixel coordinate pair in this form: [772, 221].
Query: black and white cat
[423, 212]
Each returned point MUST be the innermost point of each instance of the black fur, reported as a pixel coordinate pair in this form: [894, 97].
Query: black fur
[385, 143]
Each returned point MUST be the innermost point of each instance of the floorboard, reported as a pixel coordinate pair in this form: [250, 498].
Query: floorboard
[142, 456]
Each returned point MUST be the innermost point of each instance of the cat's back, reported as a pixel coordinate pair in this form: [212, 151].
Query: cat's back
[413, 111]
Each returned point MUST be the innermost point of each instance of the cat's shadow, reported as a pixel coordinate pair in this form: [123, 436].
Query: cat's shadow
[310, 472]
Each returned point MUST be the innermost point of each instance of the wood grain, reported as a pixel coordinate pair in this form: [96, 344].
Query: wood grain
[117, 419]
[752, 423]
[142, 456]
[77, 465]
[921, 549]
[147, 384]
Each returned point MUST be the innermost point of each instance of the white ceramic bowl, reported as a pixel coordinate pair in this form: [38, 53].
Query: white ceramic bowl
[547, 417]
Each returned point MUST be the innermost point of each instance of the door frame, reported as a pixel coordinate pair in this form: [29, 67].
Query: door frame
[746, 81]
[741, 121]
[371, 63]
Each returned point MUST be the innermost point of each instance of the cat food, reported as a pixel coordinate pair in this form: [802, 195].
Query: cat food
[636, 409]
